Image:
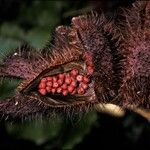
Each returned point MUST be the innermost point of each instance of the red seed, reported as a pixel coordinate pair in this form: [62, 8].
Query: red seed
[42, 85]
[42, 91]
[55, 85]
[74, 72]
[86, 79]
[59, 90]
[68, 80]
[90, 69]
[84, 86]
[49, 84]
[74, 92]
[61, 76]
[43, 80]
[64, 86]
[81, 91]
[70, 89]
[53, 90]
[89, 63]
[48, 89]
[88, 57]
[49, 78]
[60, 81]
[54, 79]
[65, 92]
[79, 78]
[73, 83]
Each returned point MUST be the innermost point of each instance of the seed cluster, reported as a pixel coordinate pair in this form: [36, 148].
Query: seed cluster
[89, 63]
[69, 83]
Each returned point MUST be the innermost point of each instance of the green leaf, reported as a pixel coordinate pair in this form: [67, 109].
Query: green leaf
[78, 131]
[38, 37]
[7, 45]
[37, 131]
[11, 30]
[7, 87]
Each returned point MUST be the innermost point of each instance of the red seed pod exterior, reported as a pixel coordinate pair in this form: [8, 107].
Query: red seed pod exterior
[42, 91]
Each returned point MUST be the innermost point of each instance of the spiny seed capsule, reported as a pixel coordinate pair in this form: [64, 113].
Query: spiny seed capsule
[42, 91]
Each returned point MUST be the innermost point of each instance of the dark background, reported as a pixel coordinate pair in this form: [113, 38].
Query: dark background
[34, 22]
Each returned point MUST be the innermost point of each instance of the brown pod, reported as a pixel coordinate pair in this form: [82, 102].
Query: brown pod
[116, 59]
[135, 88]
[100, 41]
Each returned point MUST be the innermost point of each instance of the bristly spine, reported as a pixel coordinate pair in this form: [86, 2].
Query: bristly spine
[135, 89]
